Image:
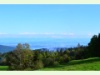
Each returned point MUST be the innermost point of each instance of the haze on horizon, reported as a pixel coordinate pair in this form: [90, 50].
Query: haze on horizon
[50, 21]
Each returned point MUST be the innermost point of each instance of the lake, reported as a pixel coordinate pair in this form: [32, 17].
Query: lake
[36, 43]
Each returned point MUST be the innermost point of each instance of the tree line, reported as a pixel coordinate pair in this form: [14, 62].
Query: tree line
[23, 58]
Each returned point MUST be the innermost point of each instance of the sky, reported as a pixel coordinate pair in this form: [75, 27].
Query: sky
[55, 21]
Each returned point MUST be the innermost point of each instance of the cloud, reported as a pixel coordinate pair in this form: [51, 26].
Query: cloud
[48, 34]
[90, 34]
[3, 33]
[27, 33]
[72, 34]
[33, 34]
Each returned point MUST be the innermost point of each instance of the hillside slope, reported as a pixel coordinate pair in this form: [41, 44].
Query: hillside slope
[89, 64]
[6, 48]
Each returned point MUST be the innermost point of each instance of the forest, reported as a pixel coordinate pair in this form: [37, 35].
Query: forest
[23, 58]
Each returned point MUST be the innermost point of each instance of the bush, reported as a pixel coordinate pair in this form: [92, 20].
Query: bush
[64, 59]
[38, 64]
[49, 61]
[28, 69]
[56, 63]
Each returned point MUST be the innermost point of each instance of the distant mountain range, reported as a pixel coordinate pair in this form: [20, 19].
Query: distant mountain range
[4, 48]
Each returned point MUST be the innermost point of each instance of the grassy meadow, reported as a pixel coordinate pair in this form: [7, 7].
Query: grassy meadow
[90, 64]
[3, 68]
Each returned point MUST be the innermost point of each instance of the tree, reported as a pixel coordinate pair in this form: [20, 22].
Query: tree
[20, 58]
[98, 46]
[78, 45]
[38, 64]
[94, 46]
[49, 61]
[66, 58]
[19, 47]
[26, 46]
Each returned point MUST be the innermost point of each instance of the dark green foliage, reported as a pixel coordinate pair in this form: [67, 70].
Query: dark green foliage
[56, 63]
[20, 59]
[49, 61]
[0, 54]
[94, 46]
[38, 64]
[3, 59]
[66, 58]
[89, 64]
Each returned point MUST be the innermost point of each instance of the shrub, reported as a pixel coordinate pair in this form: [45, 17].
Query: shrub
[49, 61]
[38, 64]
[64, 59]
[56, 63]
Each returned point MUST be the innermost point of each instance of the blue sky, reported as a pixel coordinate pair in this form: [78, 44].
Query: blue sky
[56, 21]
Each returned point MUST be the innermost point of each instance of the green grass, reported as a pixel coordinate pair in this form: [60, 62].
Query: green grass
[90, 64]
[3, 68]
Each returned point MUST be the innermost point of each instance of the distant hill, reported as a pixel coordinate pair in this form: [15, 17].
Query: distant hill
[4, 48]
